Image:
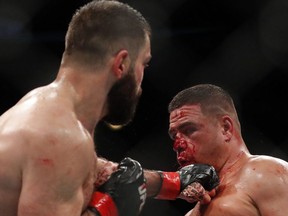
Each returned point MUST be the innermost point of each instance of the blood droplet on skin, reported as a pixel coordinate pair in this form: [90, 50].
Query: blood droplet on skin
[46, 162]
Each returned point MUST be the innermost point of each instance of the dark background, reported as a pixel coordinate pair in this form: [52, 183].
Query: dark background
[239, 45]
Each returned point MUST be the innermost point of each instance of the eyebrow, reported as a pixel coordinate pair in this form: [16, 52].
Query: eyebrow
[185, 124]
[181, 127]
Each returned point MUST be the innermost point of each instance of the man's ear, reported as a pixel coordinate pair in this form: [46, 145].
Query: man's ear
[121, 63]
[227, 127]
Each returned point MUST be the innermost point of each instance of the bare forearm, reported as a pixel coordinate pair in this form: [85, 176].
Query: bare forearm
[153, 182]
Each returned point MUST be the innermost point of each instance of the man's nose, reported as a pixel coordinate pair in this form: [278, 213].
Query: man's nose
[180, 144]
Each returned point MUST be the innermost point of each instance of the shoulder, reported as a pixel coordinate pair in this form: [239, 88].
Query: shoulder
[268, 164]
[267, 176]
[59, 154]
[262, 167]
[267, 184]
[42, 116]
[43, 126]
[42, 137]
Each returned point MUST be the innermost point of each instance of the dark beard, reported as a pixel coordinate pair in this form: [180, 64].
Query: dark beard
[122, 101]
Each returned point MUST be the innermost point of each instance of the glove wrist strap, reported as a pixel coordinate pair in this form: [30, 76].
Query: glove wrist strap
[170, 187]
[103, 204]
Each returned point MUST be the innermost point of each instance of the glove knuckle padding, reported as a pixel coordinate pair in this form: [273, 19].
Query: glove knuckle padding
[202, 173]
[131, 170]
[127, 187]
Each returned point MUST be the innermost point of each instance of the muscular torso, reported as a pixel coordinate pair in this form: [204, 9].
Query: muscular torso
[70, 145]
[255, 188]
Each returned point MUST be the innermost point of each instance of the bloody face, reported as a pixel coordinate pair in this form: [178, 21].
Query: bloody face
[197, 138]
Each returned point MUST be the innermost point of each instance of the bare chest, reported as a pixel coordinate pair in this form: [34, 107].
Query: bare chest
[231, 200]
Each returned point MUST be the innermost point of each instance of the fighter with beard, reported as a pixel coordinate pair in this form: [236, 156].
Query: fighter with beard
[48, 164]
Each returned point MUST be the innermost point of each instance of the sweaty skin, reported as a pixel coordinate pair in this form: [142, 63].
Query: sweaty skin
[250, 185]
[47, 157]
[45, 151]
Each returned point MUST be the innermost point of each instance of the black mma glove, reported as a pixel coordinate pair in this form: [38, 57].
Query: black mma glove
[173, 183]
[124, 194]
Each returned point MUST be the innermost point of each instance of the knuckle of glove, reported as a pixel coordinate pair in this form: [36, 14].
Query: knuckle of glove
[131, 170]
[202, 173]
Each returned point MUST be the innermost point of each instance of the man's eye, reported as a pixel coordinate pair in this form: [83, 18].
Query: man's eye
[188, 131]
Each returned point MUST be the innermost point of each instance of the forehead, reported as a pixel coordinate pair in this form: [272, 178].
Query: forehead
[185, 112]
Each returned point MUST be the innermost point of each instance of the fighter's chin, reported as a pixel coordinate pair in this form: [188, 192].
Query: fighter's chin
[184, 162]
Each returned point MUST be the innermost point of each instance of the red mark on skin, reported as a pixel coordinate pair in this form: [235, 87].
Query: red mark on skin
[176, 115]
[105, 173]
[280, 171]
[179, 145]
[46, 162]
[180, 114]
[185, 152]
[220, 189]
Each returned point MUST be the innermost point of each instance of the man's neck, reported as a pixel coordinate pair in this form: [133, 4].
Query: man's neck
[87, 93]
[233, 165]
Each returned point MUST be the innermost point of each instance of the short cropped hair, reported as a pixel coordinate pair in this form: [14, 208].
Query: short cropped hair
[212, 99]
[102, 28]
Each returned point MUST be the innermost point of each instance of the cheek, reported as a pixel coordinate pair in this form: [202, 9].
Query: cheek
[191, 150]
[197, 147]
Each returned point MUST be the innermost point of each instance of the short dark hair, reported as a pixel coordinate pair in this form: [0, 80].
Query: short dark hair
[104, 27]
[212, 99]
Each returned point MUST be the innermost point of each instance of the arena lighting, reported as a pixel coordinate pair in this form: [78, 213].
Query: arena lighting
[115, 127]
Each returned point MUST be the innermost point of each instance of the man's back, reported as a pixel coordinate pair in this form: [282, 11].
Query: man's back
[43, 145]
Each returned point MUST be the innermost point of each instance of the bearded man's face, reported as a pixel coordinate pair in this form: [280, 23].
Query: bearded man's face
[122, 100]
